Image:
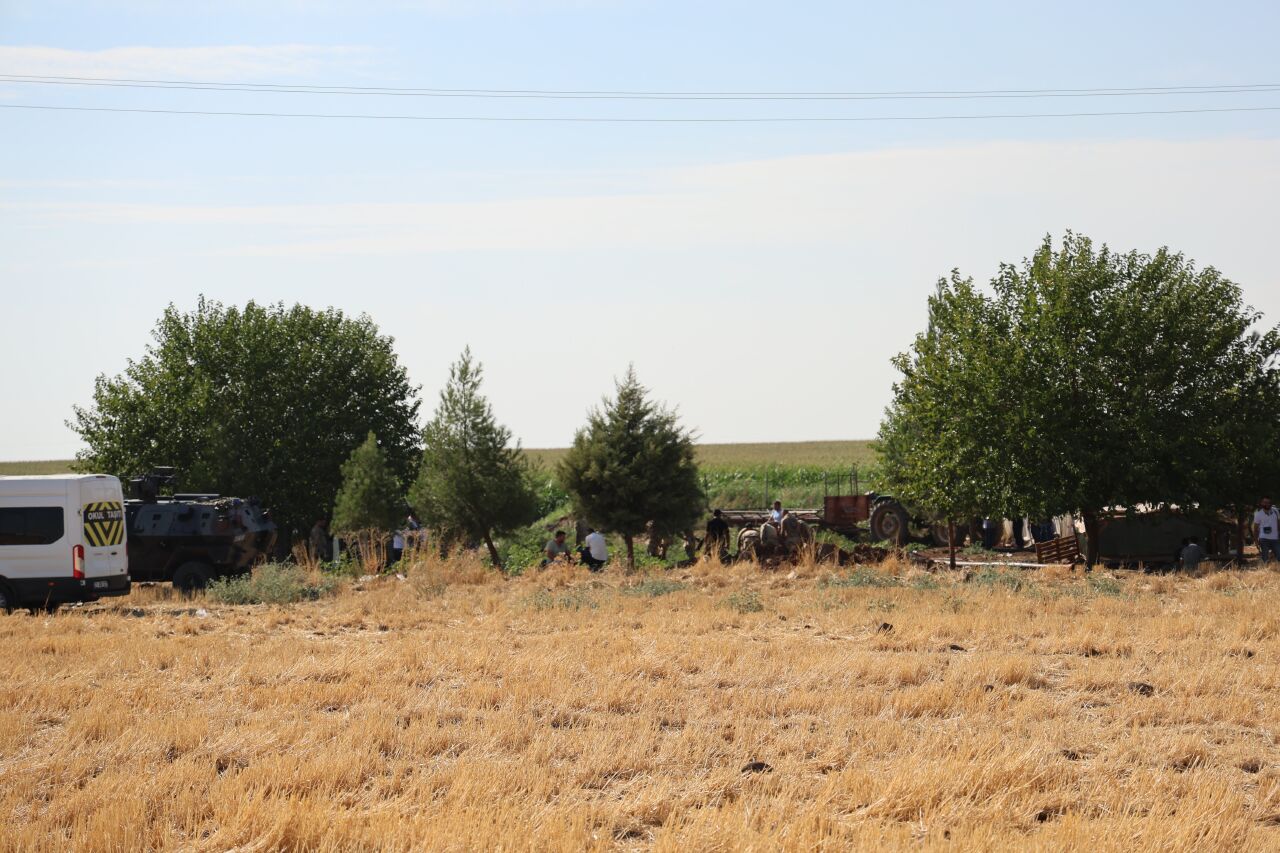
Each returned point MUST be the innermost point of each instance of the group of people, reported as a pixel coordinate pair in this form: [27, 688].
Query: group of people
[592, 553]
[321, 540]
[1042, 530]
[1266, 535]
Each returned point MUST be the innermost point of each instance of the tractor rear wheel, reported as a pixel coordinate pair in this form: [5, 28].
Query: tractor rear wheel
[889, 523]
[941, 534]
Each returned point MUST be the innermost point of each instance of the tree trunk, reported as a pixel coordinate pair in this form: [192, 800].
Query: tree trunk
[493, 550]
[1240, 522]
[1091, 535]
[631, 551]
[951, 542]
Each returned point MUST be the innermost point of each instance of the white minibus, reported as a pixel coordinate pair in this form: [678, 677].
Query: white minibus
[62, 539]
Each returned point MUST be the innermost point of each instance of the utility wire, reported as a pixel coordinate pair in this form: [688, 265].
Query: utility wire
[974, 94]
[654, 120]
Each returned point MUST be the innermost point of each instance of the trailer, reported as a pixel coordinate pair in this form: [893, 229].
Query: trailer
[885, 519]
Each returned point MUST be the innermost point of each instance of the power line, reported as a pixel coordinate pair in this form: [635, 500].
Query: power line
[642, 120]
[959, 94]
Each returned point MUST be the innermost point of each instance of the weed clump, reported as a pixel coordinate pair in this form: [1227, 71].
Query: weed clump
[653, 588]
[272, 583]
[1105, 585]
[861, 577]
[990, 576]
[571, 599]
[744, 601]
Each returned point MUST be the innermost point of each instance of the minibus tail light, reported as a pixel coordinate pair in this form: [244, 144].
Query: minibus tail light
[77, 562]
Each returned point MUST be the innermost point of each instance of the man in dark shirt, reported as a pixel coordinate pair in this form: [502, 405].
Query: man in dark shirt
[718, 536]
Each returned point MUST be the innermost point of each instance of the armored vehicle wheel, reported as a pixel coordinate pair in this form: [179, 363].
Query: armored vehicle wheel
[7, 601]
[889, 523]
[191, 577]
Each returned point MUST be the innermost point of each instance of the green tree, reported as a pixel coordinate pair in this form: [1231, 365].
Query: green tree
[264, 400]
[1094, 380]
[1124, 364]
[1247, 466]
[633, 463]
[370, 499]
[473, 483]
[935, 460]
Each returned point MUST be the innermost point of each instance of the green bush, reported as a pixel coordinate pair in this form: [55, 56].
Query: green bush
[744, 601]
[272, 583]
[523, 549]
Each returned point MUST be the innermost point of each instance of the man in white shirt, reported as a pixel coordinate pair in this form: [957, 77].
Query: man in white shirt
[1266, 530]
[595, 551]
[776, 515]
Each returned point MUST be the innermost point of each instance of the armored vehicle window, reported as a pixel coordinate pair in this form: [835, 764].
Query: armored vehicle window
[30, 525]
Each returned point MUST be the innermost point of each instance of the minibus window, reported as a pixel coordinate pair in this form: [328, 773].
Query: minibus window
[30, 525]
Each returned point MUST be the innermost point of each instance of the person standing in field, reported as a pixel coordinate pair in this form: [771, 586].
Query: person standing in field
[718, 536]
[1019, 536]
[776, 515]
[1266, 530]
[321, 545]
[595, 551]
[397, 548]
[989, 535]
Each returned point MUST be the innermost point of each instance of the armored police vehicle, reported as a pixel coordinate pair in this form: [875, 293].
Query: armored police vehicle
[190, 539]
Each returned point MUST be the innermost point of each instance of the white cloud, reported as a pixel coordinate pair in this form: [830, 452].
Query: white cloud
[1143, 192]
[231, 63]
[826, 260]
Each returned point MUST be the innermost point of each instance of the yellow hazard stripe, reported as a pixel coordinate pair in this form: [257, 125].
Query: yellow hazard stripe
[101, 534]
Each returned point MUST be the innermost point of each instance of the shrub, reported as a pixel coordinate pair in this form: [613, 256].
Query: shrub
[1104, 584]
[272, 583]
[523, 549]
[744, 601]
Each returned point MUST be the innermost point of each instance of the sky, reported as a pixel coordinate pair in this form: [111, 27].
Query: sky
[758, 275]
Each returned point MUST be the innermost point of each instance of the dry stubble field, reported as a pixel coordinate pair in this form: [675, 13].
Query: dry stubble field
[459, 711]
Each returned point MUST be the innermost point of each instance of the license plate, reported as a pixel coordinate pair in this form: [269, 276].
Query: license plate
[99, 584]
